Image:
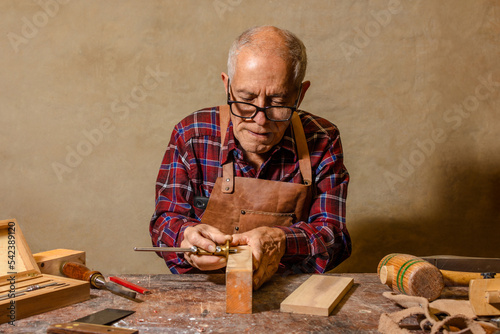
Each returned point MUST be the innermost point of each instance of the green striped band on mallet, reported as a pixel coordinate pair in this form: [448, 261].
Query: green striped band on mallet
[387, 259]
[402, 272]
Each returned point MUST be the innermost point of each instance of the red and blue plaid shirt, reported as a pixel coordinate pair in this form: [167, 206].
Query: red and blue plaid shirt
[193, 161]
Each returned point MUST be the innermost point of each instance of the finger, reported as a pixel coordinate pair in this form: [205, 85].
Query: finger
[207, 262]
[207, 237]
[215, 235]
[239, 239]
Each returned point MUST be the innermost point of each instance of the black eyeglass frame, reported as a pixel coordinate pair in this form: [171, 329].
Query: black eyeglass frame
[264, 109]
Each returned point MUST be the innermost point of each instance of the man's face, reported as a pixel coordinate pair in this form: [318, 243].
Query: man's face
[263, 80]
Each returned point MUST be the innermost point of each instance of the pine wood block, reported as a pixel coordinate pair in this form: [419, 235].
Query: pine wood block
[239, 274]
[318, 295]
[479, 291]
[50, 262]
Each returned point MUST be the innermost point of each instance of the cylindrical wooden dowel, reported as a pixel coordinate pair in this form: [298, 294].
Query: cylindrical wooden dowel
[493, 297]
[386, 275]
[412, 276]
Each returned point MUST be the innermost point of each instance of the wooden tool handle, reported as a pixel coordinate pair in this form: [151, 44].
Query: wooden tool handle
[458, 278]
[78, 271]
[83, 328]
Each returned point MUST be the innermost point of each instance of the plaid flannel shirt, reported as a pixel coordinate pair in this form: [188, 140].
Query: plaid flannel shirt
[193, 161]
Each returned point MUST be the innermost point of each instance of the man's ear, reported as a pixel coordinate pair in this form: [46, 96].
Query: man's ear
[305, 87]
[225, 79]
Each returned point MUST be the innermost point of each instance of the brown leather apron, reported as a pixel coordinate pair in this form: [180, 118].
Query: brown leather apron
[240, 204]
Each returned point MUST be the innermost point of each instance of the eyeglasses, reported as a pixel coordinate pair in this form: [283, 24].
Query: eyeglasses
[248, 111]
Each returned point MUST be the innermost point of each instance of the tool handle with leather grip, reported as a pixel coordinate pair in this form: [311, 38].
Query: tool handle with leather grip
[78, 271]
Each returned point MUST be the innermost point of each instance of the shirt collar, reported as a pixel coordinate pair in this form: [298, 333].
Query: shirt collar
[287, 143]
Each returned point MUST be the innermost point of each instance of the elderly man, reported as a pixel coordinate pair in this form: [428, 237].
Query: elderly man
[273, 175]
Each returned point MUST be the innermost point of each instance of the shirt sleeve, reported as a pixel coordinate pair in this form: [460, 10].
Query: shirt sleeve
[172, 210]
[323, 242]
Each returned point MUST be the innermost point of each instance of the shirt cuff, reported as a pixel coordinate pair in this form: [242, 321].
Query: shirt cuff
[297, 242]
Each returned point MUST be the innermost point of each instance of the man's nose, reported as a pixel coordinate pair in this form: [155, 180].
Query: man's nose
[260, 118]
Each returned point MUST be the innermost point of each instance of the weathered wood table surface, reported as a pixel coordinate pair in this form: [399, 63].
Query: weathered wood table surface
[196, 304]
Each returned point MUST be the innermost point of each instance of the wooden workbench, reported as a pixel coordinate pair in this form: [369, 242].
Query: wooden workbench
[196, 304]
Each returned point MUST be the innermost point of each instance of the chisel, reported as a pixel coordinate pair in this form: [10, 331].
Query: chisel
[96, 279]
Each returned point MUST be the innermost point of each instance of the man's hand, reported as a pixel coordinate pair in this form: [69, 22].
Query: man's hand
[205, 237]
[268, 247]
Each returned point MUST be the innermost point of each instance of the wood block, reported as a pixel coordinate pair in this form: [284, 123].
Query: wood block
[50, 262]
[479, 291]
[239, 274]
[318, 295]
[84, 328]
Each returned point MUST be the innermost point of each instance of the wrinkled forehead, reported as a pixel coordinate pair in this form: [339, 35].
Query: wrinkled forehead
[263, 67]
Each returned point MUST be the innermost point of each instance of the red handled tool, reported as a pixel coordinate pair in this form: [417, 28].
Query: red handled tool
[130, 285]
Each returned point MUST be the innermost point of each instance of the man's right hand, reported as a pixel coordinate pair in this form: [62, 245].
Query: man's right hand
[205, 237]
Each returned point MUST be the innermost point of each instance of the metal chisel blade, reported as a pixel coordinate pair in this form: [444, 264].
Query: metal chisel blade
[118, 289]
[465, 264]
[105, 317]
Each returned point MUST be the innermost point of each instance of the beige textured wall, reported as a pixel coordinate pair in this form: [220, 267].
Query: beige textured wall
[90, 91]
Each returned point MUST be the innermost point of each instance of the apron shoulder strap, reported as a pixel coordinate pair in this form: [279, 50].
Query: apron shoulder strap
[224, 122]
[302, 150]
[227, 169]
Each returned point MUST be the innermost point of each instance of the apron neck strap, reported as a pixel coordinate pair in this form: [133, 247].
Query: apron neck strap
[300, 140]
[227, 169]
[224, 123]
[302, 150]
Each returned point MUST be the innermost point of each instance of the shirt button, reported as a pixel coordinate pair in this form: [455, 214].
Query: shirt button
[243, 212]
[236, 228]
[228, 179]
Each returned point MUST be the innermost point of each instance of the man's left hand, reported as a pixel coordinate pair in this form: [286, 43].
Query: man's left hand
[268, 247]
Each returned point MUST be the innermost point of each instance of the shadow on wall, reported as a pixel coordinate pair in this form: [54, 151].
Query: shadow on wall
[465, 220]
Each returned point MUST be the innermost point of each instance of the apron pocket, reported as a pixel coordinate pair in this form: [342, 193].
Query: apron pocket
[250, 219]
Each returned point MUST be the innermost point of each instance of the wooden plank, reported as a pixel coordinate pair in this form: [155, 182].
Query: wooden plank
[239, 274]
[84, 328]
[50, 261]
[318, 295]
[478, 292]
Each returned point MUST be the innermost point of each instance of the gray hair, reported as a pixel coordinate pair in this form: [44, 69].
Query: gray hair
[295, 51]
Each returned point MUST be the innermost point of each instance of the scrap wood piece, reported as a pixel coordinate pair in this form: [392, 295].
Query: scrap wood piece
[239, 274]
[318, 295]
[482, 293]
[84, 328]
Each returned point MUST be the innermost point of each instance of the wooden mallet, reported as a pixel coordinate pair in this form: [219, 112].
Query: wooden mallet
[413, 276]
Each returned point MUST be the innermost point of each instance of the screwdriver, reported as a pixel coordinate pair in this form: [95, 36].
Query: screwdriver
[96, 279]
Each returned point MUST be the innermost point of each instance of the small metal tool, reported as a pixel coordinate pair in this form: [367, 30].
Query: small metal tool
[28, 289]
[464, 263]
[220, 250]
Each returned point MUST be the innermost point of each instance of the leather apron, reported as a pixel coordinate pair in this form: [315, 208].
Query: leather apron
[240, 204]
